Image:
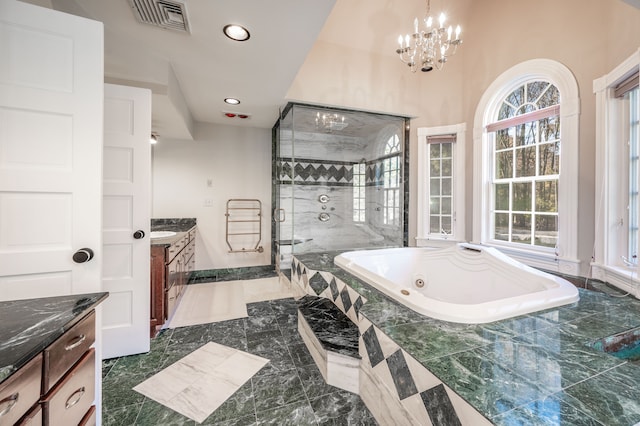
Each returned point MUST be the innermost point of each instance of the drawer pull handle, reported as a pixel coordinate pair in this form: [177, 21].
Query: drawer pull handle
[77, 341]
[8, 402]
[74, 398]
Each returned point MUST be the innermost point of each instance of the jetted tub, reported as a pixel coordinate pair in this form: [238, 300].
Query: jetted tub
[465, 283]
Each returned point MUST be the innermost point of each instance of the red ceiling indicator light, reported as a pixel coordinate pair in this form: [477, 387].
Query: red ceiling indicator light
[230, 114]
[243, 116]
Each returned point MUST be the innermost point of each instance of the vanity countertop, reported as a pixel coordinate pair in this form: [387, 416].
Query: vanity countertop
[28, 326]
[180, 226]
[537, 368]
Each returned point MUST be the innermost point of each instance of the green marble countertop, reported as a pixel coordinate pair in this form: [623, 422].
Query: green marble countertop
[535, 369]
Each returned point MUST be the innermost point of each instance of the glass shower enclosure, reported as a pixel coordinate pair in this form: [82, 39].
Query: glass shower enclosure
[340, 181]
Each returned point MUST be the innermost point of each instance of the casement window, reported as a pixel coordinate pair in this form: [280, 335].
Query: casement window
[616, 247]
[440, 184]
[526, 166]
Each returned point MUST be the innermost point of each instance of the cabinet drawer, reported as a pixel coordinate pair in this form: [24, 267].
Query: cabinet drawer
[33, 418]
[89, 418]
[172, 298]
[20, 392]
[60, 356]
[70, 399]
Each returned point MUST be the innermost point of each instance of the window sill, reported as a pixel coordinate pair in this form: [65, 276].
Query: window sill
[541, 260]
[626, 279]
[436, 242]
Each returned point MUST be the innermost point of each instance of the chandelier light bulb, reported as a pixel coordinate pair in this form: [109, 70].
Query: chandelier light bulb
[400, 41]
[458, 31]
[449, 31]
[442, 19]
[429, 22]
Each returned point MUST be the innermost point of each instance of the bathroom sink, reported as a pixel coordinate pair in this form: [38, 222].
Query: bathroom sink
[162, 234]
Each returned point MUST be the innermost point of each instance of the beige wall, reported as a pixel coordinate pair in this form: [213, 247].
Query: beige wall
[588, 36]
[238, 162]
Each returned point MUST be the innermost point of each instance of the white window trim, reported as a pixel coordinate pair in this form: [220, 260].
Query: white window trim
[423, 237]
[565, 259]
[610, 201]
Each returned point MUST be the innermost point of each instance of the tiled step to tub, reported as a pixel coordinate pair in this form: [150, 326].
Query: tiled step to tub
[332, 339]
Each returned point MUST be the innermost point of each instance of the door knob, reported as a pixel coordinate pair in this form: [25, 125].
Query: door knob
[83, 255]
[139, 234]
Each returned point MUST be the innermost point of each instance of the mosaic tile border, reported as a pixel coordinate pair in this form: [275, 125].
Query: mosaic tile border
[232, 274]
[331, 173]
[324, 284]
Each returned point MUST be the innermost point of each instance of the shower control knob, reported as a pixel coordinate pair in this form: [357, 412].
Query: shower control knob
[139, 234]
[83, 255]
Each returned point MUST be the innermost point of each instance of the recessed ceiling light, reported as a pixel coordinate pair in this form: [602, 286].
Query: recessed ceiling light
[232, 101]
[236, 32]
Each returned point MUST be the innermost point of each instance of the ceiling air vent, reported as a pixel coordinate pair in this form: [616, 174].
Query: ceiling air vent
[171, 15]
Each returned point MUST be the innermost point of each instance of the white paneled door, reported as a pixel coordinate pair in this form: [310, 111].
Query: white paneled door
[126, 220]
[51, 107]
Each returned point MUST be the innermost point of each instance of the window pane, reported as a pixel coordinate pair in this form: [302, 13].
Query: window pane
[434, 170]
[447, 150]
[446, 186]
[434, 224]
[549, 129]
[526, 161]
[550, 97]
[506, 111]
[435, 205]
[546, 233]
[434, 150]
[502, 196]
[501, 226]
[446, 167]
[435, 187]
[504, 138]
[446, 205]
[520, 133]
[549, 159]
[521, 228]
[446, 224]
[516, 98]
[522, 196]
[504, 165]
[547, 196]
[534, 89]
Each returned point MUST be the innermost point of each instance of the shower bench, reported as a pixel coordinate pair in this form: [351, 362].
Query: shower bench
[332, 339]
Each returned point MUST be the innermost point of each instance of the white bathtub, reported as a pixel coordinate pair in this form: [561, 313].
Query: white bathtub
[465, 283]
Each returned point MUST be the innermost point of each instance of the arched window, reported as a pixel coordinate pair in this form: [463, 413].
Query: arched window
[526, 166]
[526, 159]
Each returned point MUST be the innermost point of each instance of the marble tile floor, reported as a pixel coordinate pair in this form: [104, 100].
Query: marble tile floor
[287, 391]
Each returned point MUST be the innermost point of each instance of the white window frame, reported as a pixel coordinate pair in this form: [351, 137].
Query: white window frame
[611, 180]
[565, 258]
[424, 237]
[391, 199]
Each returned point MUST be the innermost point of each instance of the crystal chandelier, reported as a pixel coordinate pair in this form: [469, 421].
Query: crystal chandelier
[430, 46]
[330, 122]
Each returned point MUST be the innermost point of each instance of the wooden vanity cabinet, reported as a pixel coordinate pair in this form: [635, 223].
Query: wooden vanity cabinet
[57, 387]
[171, 268]
[20, 392]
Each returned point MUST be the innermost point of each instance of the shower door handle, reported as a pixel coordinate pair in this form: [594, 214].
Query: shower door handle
[279, 215]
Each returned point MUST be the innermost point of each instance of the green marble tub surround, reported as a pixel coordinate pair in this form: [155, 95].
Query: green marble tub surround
[538, 368]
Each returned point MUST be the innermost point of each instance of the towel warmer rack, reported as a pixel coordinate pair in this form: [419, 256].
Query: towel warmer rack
[242, 216]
